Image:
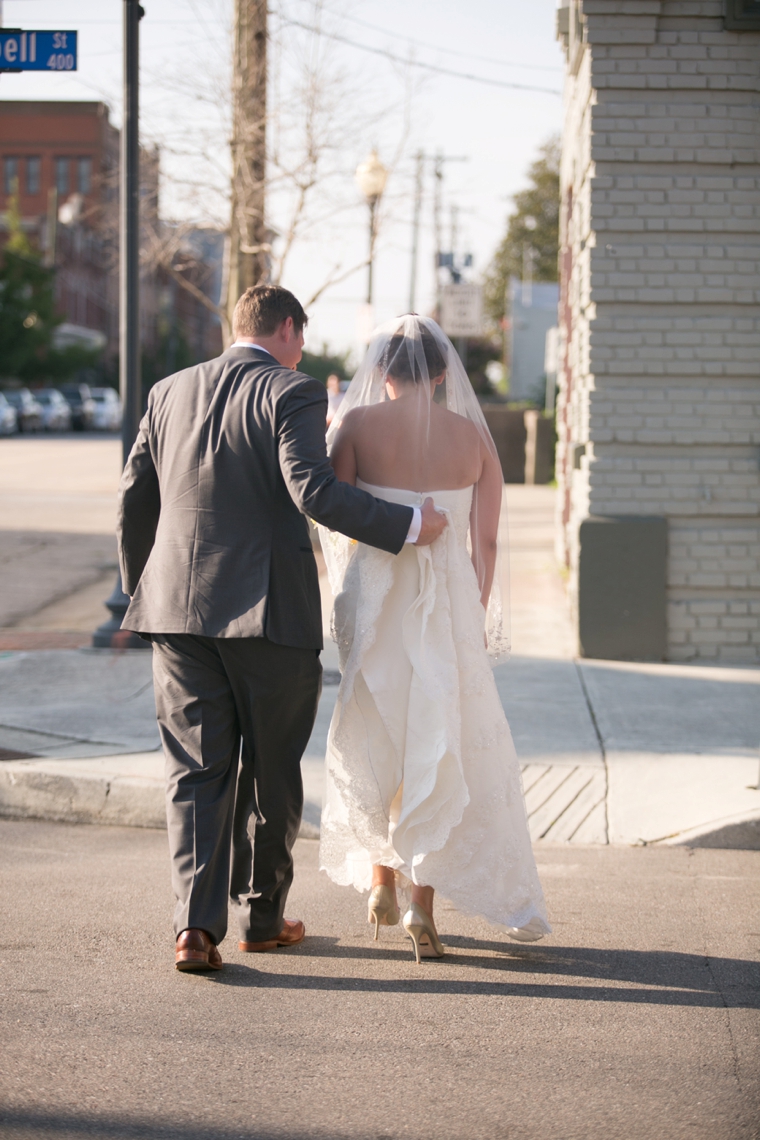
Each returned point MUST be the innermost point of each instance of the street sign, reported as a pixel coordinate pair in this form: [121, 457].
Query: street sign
[462, 310]
[37, 51]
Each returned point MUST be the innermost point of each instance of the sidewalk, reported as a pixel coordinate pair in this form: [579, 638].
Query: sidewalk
[612, 753]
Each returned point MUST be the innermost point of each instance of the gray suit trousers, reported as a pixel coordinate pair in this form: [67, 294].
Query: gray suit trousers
[235, 715]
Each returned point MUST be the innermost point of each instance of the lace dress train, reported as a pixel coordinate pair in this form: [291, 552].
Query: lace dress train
[421, 773]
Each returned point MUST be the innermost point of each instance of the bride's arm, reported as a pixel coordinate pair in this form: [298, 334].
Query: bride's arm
[484, 523]
[343, 453]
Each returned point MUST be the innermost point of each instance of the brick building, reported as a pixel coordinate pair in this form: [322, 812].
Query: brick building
[659, 404]
[62, 159]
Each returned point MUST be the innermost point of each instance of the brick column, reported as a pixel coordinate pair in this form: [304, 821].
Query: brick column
[659, 401]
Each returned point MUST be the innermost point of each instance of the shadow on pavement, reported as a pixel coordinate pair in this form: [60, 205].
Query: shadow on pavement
[22, 1122]
[655, 977]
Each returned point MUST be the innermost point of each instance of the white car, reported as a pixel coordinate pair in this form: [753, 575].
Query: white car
[56, 413]
[8, 417]
[107, 414]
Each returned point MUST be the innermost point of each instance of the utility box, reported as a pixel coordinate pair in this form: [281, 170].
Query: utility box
[539, 448]
[622, 575]
[508, 430]
[533, 311]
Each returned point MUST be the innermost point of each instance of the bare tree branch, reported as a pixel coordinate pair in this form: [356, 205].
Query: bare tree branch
[335, 279]
[318, 109]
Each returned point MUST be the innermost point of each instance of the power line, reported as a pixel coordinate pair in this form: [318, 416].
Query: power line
[451, 51]
[417, 63]
[407, 62]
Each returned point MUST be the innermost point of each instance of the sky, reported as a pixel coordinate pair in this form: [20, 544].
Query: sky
[490, 131]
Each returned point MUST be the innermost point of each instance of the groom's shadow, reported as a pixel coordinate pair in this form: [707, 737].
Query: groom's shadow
[654, 977]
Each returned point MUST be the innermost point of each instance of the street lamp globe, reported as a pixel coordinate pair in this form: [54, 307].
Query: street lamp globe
[371, 177]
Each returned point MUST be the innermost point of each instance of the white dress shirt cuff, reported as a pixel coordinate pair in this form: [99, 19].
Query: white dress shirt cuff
[416, 527]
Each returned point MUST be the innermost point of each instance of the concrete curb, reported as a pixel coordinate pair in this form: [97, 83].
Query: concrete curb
[740, 832]
[44, 789]
[95, 791]
[681, 798]
[40, 790]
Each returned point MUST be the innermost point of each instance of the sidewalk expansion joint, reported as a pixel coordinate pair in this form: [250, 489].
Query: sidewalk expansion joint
[600, 741]
[56, 736]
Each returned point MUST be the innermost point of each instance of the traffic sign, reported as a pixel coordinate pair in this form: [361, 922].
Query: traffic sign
[37, 51]
[462, 310]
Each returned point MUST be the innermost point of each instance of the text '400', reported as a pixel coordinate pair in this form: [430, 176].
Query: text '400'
[38, 51]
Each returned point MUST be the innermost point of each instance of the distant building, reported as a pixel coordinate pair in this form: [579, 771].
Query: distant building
[659, 376]
[199, 261]
[62, 159]
[533, 311]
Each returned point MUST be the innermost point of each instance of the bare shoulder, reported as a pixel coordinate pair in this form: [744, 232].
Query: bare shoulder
[458, 425]
[350, 421]
[360, 418]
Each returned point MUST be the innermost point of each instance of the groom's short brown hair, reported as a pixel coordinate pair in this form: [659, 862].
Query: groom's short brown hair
[262, 309]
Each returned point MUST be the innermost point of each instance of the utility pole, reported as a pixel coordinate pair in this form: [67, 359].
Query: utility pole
[438, 162]
[437, 205]
[249, 247]
[454, 240]
[415, 228]
[110, 634]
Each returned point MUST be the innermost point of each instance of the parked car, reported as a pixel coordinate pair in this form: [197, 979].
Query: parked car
[8, 417]
[56, 413]
[107, 415]
[28, 411]
[81, 403]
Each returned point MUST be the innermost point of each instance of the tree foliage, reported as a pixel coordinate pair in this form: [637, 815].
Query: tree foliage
[323, 365]
[532, 226]
[28, 317]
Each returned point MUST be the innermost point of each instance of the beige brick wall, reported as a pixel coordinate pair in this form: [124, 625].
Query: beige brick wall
[659, 403]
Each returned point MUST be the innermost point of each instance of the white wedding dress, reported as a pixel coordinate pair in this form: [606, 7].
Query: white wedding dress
[422, 774]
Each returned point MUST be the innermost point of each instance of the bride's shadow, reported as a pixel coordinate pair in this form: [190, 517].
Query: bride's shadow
[656, 977]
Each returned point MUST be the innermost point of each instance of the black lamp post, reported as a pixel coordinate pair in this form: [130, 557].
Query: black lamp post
[110, 634]
[371, 177]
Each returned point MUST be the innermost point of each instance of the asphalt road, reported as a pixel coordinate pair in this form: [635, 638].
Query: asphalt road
[636, 1020]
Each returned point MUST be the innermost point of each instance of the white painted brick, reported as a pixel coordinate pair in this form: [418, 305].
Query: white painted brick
[650, 385]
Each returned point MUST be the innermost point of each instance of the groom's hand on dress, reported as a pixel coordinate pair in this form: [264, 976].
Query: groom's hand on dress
[433, 523]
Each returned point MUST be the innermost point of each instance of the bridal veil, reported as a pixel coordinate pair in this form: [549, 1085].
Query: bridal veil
[417, 349]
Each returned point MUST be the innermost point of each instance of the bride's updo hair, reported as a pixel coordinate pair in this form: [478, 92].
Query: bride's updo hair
[404, 357]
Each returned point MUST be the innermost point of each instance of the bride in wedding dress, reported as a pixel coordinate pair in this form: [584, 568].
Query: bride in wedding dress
[423, 782]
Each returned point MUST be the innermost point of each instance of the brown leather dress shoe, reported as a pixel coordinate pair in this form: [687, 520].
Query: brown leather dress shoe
[291, 934]
[196, 951]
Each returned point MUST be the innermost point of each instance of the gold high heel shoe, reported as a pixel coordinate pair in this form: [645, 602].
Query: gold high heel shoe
[421, 929]
[382, 908]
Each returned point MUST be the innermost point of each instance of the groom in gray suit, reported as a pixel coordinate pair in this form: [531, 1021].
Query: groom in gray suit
[215, 553]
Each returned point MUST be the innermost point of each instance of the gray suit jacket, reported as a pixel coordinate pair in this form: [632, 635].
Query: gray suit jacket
[229, 459]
